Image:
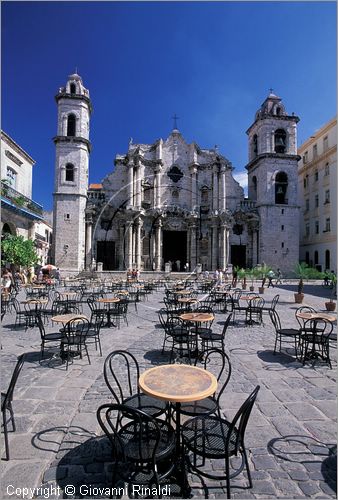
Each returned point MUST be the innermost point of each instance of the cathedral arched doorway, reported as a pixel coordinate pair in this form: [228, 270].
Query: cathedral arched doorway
[175, 249]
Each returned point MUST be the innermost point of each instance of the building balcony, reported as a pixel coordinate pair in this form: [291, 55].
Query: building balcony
[246, 205]
[12, 199]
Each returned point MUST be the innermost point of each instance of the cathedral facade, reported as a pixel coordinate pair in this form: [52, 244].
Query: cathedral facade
[171, 202]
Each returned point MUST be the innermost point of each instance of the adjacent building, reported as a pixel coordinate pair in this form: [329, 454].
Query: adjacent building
[20, 215]
[172, 201]
[317, 187]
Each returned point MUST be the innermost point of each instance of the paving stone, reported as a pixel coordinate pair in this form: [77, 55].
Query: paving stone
[309, 488]
[305, 411]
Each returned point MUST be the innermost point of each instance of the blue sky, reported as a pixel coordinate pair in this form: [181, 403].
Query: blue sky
[212, 63]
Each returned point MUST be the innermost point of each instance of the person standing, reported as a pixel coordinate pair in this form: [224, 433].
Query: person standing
[271, 275]
[279, 277]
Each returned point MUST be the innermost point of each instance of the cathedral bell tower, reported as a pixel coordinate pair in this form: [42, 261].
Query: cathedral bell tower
[273, 182]
[71, 175]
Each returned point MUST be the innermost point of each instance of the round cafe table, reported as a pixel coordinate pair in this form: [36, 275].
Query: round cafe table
[108, 301]
[309, 315]
[64, 318]
[178, 384]
[197, 318]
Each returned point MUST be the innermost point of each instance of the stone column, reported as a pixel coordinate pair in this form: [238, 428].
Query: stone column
[122, 260]
[158, 186]
[89, 230]
[214, 246]
[158, 256]
[138, 242]
[254, 248]
[193, 187]
[193, 256]
[129, 244]
[222, 193]
[227, 246]
[130, 184]
[215, 189]
[138, 185]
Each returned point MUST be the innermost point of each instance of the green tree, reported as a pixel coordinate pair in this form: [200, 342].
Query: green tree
[18, 251]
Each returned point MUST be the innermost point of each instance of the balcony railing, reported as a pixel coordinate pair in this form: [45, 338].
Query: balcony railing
[19, 200]
[247, 205]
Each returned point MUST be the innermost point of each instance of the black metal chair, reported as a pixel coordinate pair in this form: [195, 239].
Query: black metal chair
[74, 339]
[215, 438]
[270, 307]
[6, 403]
[303, 309]
[284, 334]
[315, 340]
[121, 373]
[20, 314]
[183, 338]
[217, 362]
[142, 448]
[254, 313]
[48, 338]
[214, 338]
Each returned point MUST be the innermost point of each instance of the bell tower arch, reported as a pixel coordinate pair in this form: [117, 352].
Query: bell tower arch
[273, 182]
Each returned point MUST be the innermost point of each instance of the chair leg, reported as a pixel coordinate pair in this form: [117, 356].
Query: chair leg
[247, 467]
[227, 472]
[5, 434]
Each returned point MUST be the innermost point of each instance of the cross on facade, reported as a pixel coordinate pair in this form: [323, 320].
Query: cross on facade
[175, 118]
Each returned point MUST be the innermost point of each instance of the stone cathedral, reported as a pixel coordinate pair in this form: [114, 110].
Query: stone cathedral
[174, 202]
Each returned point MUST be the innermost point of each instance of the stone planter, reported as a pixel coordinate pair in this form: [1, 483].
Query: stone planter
[330, 306]
[261, 289]
[243, 287]
[251, 288]
[299, 298]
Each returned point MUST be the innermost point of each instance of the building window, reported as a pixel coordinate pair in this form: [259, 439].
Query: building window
[11, 177]
[316, 175]
[280, 141]
[71, 125]
[327, 225]
[282, 228]
[327, 259]
[317, 227]
[327, 169]
[327, 196]
[307, 205]
[315, 151]
[281, 186]
[307, 230]
[72, 88]
[325, 143]
[307, 258]
[316, 257]
[46, 235]
[255, 145]
[316, 201]
[304, 182]
[69, 172]
[67, 216]
[282, 244]
[305, 157]
[282, 211]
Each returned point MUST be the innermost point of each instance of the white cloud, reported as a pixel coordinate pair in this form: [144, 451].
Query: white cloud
[242, 179]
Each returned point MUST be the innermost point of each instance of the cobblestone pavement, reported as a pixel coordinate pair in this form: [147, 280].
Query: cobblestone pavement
[291, 434]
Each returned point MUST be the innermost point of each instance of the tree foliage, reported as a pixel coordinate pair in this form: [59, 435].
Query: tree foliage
[18, 251]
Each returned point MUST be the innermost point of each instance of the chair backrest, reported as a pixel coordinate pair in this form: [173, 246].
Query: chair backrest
[41, 327]
[303, 309]
[163, 317]
[77, 328]
[226, 324]
[275, 319]
[240, 420]
[16, 305]
[142, 430]
[9, 394]
[321, 327]
[257, 302]
[218, 363]
[121, 373]
[236, 296]
[274, 302]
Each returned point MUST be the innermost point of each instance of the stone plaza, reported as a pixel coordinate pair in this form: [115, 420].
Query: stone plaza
[58, 447]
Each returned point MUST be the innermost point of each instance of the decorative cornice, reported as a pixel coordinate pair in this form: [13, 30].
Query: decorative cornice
[76, 97]
[64, 138]
[278, 156]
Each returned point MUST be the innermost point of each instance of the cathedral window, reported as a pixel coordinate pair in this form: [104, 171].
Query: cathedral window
[255, 145]
[204, 196]
[280, 141]
[327, 197]
[316, 175]
[69, 172]
[278, 111]
[254, 186]
[175, 174]
[316, 227]
[72, 88]
[327, 225]
[327, 169]
[327, 259]
[326, 143]
[281, 186]
[71, 125]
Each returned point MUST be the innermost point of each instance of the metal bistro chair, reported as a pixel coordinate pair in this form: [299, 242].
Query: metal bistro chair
[121, 373]
[217, 362]
[48, 337]
[214, 338]
[143, 448]
[254, 313]
[74, 339]
[6, 402]
[284, 334]
[315, 340]
[215, 438]
[183, 339]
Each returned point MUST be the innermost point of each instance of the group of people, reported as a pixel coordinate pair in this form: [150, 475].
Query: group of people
[133, 274]
[10, 279]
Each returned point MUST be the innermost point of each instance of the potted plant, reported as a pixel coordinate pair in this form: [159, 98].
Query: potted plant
[241, 273]
[263, 271]
[252, 273]
[303, 271]
[331, 306]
